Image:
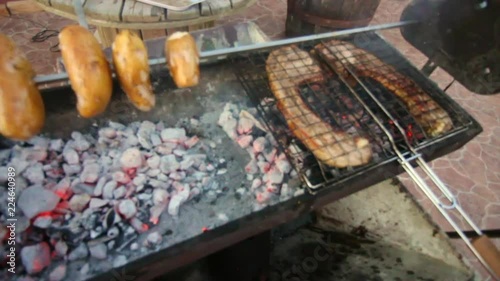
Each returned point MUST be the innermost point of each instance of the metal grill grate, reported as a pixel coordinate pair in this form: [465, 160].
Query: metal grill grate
[330, 98]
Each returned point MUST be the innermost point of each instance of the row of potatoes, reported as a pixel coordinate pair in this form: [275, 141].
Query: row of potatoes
[22, 112]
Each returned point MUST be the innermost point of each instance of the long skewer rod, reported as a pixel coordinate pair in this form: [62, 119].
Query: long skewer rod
[222, 53]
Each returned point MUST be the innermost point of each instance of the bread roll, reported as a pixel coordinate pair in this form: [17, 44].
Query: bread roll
[130, 58]
[88, 70]
[183, 59]
[22, 113]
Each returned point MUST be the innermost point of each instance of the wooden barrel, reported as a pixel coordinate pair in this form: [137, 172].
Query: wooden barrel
[317, 16]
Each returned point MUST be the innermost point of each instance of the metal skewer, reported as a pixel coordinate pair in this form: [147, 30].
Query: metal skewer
[405, 160]
[223, 53]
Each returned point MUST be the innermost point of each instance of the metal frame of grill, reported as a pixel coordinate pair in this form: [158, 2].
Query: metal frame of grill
[398, 126]
[334, 102]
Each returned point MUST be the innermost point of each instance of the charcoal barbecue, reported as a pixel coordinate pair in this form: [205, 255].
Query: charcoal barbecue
[358, 105]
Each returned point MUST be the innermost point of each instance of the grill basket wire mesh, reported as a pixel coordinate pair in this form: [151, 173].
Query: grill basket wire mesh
[331, 100]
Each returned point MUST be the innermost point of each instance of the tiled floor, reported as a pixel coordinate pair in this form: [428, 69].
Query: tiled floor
[472, 173]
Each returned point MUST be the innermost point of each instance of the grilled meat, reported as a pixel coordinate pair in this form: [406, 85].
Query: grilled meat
[290, 67]
[432, 117]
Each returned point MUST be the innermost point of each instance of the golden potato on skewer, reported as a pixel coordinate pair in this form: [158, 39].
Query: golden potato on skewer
[130, 58]
[88, 70]
[183, 59]
[22, 113]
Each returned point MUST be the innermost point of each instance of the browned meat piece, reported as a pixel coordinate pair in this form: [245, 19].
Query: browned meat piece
[287, 69]
[433, 118]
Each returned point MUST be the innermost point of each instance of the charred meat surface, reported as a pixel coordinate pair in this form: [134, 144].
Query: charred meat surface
[288, 68]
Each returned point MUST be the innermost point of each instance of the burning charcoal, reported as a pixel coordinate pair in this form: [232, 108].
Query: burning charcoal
[131, 158]
[169, 164]
[85, 269]
[154, 238]
[78, 202]
[179, 152]
[263, 167]
[79, 188]
[210, 168]
[119, 261]
[19, 165]
[221, 171]
[36, 199]
[275, 176]
[127, 208]
[256, 184]
[153, 162]
[153, 173]
[271, 155]
[263, 197]
[198, 159]
[71, 156]
[272, 188]
[121, 177]
[100, 186]
[140, 179]
[251, 167]
[90, 173]
[36, 257]
[80, 143]
[282, 164]
[79, 252]
[35, 174]
[160, 196]
[223, 217]
[191, 142]
[143, 138]
[156, 211]
[61, 248]
[186, 164]
[108, 133]
[163, 178]
[157, 184]
[174, 205]
[43, 222]
[130, 141]
[58, 273]
[119, 192]
[134, 246]
[245, 141]
[70, 170]
[145, 196]
[230, 128]
[34, 154]
[194, 192]
[107, 191]
[259, 144]
[224, 118]
[113, 232]
[138, 225]
[155, 139]
[98, 251]
[175, 135]
[177, 176]
[245, 125]
[56, 145]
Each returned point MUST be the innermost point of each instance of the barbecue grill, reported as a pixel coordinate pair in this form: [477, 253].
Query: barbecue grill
[357, 105]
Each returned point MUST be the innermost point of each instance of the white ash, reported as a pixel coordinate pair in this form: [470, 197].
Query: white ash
[268, 170]
[36, 199]
[43, 221]
[35, 257]
[58, 273]
[119, 261]
[98, 251]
